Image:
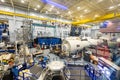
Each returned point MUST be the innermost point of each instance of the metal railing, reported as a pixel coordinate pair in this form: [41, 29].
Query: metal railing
[76, 72]
[28, 77]
[78, 75]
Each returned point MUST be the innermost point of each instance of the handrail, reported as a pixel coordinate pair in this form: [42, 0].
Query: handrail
[33, 75]
[68, 76]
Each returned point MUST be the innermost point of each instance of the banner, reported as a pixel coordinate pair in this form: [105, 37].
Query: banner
[75, 31]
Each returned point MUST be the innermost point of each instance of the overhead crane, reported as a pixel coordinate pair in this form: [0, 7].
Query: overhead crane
[101, 18]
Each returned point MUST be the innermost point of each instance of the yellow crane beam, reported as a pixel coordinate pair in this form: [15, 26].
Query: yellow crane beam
[105, 17]
[28, 16]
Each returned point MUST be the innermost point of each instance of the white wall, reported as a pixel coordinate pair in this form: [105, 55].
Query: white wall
[16, 22]
[91, 32]
[86, 31]
[61, 32]
[95, 31]
[41, 31]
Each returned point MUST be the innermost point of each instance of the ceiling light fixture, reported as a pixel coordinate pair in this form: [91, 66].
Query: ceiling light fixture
[85, 10]
[52, 6]
[69, 12]
[38, 6]
[81, 16]
[2, 0]
[111, 7]
[96, 16]
[118, 4]
[22, 1]
[78, 8]
[42, 17]
[33, 14]
[35, 9]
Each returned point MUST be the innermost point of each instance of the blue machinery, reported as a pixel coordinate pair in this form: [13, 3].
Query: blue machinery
[3, 28]
[111, 71]
[48, 41]
[105, 70]
[93, 72]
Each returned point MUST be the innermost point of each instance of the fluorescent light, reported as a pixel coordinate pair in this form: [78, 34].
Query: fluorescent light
[78, 8]
[42, 17]
[69, 12]
[118, 4]
[38, 6]
[111, 7]
[22, 1]
[33, 14]
[81, 16]
[35, 9]
[85, 10]
[96, 15]
[2, 0]
[52, 6]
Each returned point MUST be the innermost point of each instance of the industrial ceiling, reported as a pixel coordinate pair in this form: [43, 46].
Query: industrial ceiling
[74, 10]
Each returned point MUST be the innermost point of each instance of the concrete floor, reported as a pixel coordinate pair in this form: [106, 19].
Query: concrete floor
[78, 73]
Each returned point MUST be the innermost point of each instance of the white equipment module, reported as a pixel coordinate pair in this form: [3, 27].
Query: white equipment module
[74, 44]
